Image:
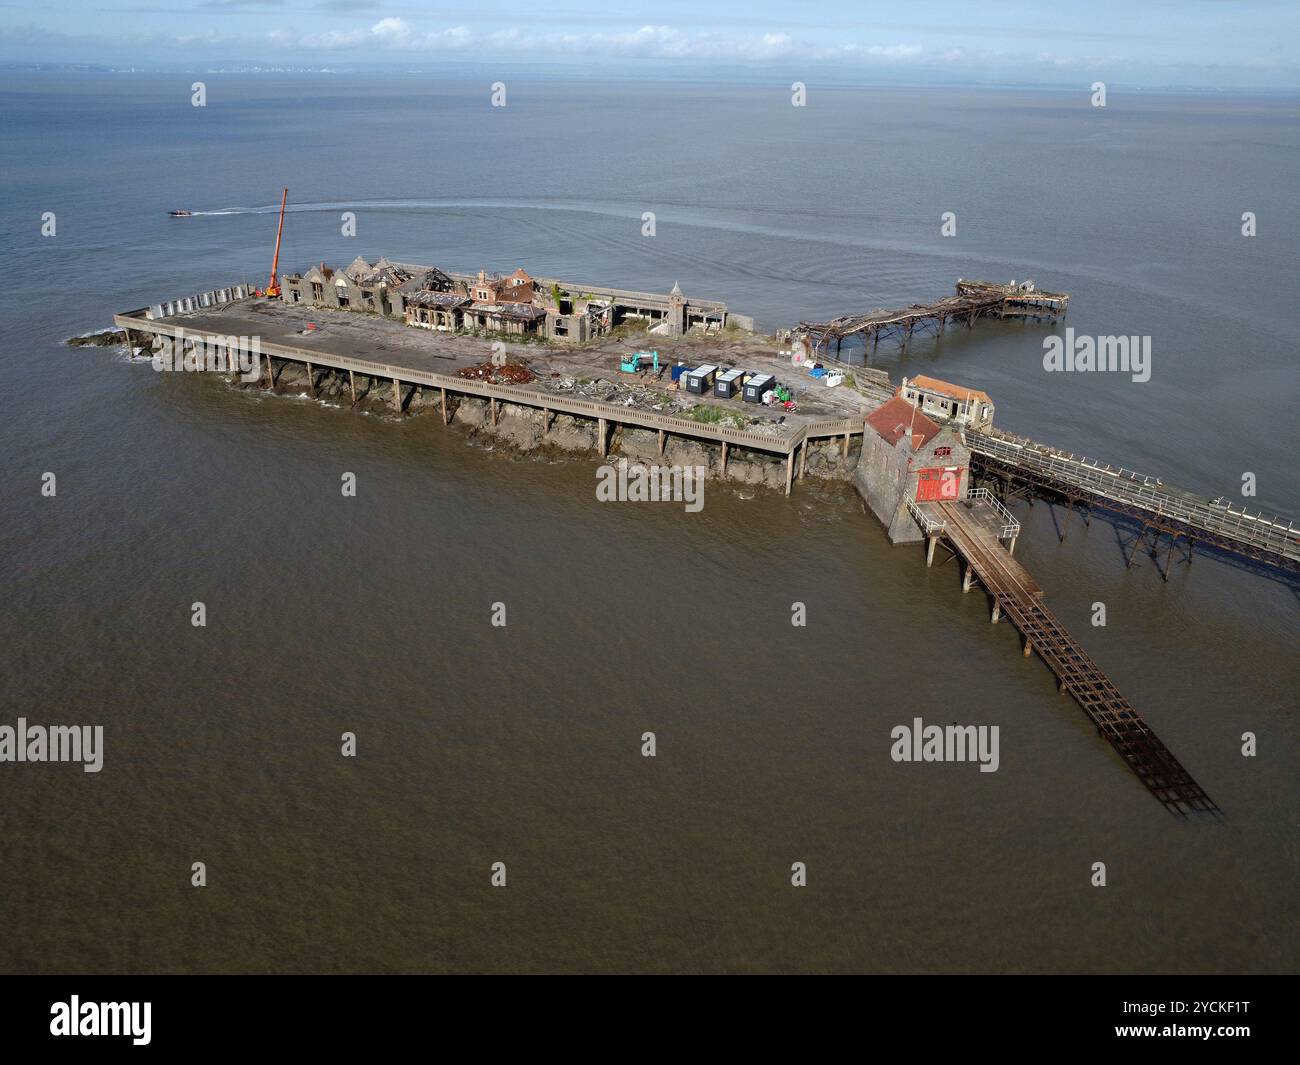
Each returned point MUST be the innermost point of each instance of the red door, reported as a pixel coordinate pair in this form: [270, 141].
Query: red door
[938, 483]
[930, 485]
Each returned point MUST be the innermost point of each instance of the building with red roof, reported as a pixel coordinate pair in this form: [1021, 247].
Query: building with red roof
[969, 407]
[907, 456]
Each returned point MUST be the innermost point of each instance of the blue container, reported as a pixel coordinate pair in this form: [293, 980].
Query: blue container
[678, 370]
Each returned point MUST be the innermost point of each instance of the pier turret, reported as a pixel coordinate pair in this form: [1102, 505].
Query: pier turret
[676, 311]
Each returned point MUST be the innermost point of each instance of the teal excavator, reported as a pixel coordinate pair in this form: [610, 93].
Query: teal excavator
[633, 363]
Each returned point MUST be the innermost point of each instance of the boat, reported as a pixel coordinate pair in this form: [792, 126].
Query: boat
[180, 214]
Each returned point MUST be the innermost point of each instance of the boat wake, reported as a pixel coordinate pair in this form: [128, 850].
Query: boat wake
[752, 221]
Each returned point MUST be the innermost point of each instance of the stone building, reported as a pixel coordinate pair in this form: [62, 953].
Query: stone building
[503, 304]
[360, 287]
[516, 303]
[515, 318]
[575, 316]
[968, 407]
[517, 288]
[676, 311]
[434, 310]
[908, 456]
[432, 300]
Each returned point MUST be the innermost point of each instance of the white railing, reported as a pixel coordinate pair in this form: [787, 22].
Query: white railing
[1010, 526]
[929, 525]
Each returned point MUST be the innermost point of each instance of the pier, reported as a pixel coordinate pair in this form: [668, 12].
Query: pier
[975, 530]
[973, 299]
[929, 485]
[419, 364]
[1021, 464]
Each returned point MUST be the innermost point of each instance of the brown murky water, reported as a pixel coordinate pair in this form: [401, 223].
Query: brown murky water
[522, 744]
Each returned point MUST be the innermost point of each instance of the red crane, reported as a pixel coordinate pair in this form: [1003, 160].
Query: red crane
[273, 289]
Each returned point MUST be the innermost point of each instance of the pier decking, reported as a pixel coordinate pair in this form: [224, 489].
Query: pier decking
[974, 531]
[1156, 508]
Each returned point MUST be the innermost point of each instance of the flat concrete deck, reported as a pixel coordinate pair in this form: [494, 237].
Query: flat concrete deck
[382, 349]
[384, 340]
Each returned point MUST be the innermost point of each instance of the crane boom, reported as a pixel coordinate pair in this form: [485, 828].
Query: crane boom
[273, 289]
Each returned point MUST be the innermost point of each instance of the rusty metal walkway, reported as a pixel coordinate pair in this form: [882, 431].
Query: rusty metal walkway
[1016, 595]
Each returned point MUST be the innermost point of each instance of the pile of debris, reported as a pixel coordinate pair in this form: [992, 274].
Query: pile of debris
[586, 387]
[766, 428]
[510, 373]
[625, 393]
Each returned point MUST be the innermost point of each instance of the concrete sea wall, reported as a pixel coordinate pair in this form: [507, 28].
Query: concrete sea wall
[522, 428]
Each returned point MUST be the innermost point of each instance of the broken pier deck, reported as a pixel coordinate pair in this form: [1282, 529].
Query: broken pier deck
[973, 299]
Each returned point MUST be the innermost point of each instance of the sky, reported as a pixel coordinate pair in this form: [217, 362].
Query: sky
[1205, 44]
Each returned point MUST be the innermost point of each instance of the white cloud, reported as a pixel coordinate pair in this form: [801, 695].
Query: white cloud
[385, 38]
[895, 51]
[394, 34]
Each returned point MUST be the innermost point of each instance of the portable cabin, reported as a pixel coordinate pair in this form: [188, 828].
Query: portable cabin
[728, 385]
[757, 385]
[700, 380]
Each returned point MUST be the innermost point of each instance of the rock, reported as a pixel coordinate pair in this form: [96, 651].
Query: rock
[470, 412]
[100, 338]
[522, 433]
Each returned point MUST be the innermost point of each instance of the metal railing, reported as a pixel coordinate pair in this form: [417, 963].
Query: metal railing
[929, 525]
[1143, 491]
[1010, 526]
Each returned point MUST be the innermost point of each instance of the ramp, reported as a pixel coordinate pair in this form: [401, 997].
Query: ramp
[1017, 595]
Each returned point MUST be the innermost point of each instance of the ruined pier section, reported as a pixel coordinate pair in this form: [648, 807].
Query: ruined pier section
[973, 299]
[1163, 514]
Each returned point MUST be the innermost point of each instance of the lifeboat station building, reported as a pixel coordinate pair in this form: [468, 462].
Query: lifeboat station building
[908, 458]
